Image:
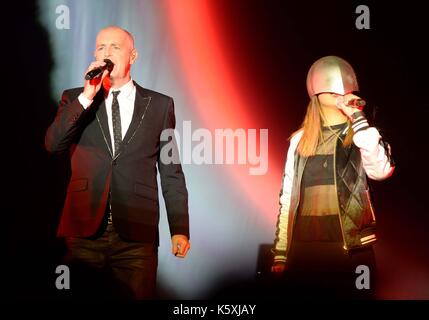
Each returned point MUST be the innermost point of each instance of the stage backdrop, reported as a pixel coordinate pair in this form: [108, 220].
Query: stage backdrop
[239, 68]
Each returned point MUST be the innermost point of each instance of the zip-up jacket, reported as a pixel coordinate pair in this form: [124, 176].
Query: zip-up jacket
[367, 157]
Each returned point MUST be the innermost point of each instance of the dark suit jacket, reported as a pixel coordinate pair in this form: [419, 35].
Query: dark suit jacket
[130, 176]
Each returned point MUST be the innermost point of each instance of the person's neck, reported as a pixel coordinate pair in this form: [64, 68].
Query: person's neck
[115, 83]
[333, 116]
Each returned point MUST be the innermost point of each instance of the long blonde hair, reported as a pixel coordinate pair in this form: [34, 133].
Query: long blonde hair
[312, 127]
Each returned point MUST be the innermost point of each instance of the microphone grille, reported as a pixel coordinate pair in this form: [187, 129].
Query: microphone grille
[360, 102]
[109, 64]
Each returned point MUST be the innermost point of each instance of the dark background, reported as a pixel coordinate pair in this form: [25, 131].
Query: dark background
[391, 64]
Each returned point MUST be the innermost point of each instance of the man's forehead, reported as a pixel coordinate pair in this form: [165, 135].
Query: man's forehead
[111, 35]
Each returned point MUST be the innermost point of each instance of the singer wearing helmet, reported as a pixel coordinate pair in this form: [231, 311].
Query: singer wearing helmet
[110, 130]
[326, 223]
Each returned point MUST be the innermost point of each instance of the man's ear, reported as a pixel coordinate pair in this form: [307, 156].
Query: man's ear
[134, 55]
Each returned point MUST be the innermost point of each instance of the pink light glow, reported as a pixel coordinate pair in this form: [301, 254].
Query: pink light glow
[219, 97]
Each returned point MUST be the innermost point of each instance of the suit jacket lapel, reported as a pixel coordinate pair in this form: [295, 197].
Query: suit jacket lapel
[102, 120]
[141, 105]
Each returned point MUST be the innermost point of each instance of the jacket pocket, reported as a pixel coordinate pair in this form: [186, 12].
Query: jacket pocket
[146, 191]
[78, 185]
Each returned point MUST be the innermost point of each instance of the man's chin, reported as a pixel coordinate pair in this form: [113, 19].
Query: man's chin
[114, 76]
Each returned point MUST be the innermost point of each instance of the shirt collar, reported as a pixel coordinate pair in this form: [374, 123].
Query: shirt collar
[126, 89]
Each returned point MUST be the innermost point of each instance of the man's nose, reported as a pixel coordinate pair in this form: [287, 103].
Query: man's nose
[107, 52]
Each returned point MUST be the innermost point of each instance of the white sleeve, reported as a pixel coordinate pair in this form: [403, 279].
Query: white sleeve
[84, 101]
[375, 155]
[281, 241]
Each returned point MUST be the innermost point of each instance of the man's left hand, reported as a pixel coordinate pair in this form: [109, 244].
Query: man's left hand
[180, 245]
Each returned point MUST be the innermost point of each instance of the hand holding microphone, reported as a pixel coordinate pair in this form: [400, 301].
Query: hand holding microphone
[356, 103]
[98, 71]
[350, 104]
[95, 75]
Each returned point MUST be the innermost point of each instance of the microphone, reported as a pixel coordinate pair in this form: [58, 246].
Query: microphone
[356, 103]
[94, 73]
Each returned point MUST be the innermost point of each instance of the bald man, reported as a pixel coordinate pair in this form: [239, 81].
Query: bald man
[111, 130]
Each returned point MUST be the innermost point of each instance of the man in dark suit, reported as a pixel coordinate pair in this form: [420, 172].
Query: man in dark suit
[111, 212]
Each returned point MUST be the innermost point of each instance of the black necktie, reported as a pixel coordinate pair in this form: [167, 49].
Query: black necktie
[116, 120]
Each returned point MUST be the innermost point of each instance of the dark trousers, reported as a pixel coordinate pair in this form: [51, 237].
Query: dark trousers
[321, 270]
[109, 267]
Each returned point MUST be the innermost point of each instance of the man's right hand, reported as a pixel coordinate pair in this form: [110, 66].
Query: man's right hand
[91, 87]
[278, 267]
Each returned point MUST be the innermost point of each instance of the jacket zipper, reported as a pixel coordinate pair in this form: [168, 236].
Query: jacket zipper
[368, 199]
[336, 195]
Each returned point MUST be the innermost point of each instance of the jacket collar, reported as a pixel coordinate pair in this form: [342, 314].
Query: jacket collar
[141, 105]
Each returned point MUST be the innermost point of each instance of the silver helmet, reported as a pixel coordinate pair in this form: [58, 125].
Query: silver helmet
[331, 74]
